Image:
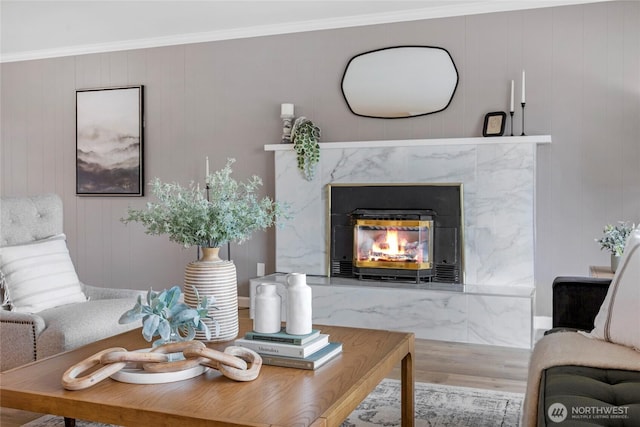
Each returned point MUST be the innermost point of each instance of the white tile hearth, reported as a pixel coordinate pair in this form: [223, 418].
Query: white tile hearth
[498, 179]
[495, 315]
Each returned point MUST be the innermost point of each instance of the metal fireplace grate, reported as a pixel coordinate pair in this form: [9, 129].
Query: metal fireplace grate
[447, 273]
[342, 268]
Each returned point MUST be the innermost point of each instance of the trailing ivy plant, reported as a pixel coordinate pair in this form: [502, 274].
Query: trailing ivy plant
[305, 136]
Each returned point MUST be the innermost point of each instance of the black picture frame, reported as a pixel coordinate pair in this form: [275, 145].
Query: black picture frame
[494, 123]
[109, 141]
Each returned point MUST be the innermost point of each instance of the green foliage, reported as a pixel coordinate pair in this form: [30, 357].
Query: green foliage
[232, 212]
[164, 311]
[305, 136]
[615, 237]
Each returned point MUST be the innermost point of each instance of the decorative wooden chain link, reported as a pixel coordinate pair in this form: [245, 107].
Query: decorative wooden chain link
[236, 363]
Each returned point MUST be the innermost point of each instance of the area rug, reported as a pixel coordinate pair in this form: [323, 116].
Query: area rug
[435, 406]
[439, 406]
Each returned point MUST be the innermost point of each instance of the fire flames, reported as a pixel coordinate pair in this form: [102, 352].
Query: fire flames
[391, 246]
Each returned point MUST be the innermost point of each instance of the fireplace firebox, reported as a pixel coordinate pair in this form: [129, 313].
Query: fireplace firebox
[394, 244]
[396, 232]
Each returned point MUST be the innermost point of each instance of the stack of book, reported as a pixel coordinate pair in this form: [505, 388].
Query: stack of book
[292, 351]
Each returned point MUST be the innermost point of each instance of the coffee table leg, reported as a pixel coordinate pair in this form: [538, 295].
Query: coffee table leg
[407, 382]
[69, 422]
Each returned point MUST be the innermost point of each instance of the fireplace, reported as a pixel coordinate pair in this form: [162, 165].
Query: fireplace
[489, 242]
[396, 233]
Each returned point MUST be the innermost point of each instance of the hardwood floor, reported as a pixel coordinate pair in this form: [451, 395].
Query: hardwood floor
[470, 365]
[458, 364]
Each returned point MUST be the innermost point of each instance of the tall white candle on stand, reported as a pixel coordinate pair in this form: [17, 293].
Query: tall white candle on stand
[511, 107]
[286, 109]
[207, 168]
[523, 101]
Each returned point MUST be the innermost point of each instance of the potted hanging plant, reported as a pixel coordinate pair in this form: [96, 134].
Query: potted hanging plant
[614, 239]
[225, 211]
[305, 136]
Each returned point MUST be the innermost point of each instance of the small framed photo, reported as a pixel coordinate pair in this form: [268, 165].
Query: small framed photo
[109, 136]
[494, 123]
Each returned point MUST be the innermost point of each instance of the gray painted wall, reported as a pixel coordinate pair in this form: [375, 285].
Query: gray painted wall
[222, 99]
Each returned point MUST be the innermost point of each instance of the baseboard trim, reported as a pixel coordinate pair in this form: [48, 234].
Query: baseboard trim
[542, 322]
[243, 302]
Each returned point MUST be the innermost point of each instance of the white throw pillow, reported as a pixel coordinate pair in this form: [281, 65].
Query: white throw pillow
[39, 275]
[619, 318]
[4, 294]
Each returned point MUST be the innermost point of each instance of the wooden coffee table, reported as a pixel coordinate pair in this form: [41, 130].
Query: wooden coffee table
[278, 397]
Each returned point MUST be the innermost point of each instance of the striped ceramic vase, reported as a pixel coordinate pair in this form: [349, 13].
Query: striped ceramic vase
[214, 278]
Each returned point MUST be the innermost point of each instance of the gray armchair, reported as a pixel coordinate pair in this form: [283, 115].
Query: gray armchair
[24, 336]
[588, 366]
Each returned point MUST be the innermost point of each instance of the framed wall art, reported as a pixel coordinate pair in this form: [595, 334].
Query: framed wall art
[109, 141]
[494, 123]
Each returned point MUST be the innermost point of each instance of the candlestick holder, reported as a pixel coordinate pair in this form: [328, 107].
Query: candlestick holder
[511, 114]
[207, 194]
[522, 103]
[286, 127]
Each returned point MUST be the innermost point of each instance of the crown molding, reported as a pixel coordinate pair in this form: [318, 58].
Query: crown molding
[448, 10]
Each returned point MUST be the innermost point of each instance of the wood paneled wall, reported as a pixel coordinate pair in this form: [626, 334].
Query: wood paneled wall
[222, 99]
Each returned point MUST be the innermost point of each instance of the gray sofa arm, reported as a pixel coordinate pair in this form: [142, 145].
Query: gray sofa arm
[96, 293]
[19, 334]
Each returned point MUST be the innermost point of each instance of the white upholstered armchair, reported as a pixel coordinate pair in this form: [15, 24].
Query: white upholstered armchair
[45, 308]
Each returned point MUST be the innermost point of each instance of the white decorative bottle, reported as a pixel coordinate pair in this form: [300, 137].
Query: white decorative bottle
[266, 319]
[298, 304]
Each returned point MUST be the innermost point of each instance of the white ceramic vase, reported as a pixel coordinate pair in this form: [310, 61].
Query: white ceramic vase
[615, 262]
[214, 277]
[266, 319]
[299, 315]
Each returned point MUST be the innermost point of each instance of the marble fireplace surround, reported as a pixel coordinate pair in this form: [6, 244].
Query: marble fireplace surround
[498, 179]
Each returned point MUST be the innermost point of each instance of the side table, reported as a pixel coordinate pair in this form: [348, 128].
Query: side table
[600, 271]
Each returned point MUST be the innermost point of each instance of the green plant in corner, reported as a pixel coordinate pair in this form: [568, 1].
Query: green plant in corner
[305, 136]
[615, 237]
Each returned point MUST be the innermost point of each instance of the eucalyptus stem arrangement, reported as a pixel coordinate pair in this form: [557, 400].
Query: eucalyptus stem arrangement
[231, 210]
[615, 237]
[305, 136]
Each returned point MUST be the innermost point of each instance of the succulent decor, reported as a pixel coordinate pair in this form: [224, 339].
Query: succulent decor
[164, 313]
[615, 237]
[231, 210]
[305, 136]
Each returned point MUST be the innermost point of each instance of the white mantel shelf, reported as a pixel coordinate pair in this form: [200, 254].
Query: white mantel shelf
[533, 139]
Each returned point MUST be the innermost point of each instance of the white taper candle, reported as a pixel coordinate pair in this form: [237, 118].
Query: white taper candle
[286, 109]
[511, 105]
